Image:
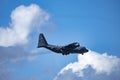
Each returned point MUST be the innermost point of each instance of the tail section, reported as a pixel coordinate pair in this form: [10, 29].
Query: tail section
[42, 41]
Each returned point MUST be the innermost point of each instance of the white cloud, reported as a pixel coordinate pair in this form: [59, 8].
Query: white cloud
[92, 66]
[23, 20]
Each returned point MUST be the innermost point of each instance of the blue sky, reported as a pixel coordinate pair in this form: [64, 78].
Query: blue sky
[94, 24]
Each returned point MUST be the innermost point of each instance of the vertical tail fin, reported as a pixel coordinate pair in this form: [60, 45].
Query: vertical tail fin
[42, 41]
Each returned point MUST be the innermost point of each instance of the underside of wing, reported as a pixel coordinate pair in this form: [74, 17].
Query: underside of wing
[79, 50]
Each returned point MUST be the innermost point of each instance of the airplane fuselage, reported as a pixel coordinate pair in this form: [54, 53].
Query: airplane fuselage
[54, 48]
[59, 49]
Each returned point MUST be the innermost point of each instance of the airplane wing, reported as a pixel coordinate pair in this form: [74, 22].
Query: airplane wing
[70, 46]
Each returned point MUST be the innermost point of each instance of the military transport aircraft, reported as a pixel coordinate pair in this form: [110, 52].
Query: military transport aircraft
[64, 50]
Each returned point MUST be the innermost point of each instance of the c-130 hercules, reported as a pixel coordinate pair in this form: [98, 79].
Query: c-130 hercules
[64, 50]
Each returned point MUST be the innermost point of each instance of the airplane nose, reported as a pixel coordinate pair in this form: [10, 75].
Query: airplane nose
[85, 50]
